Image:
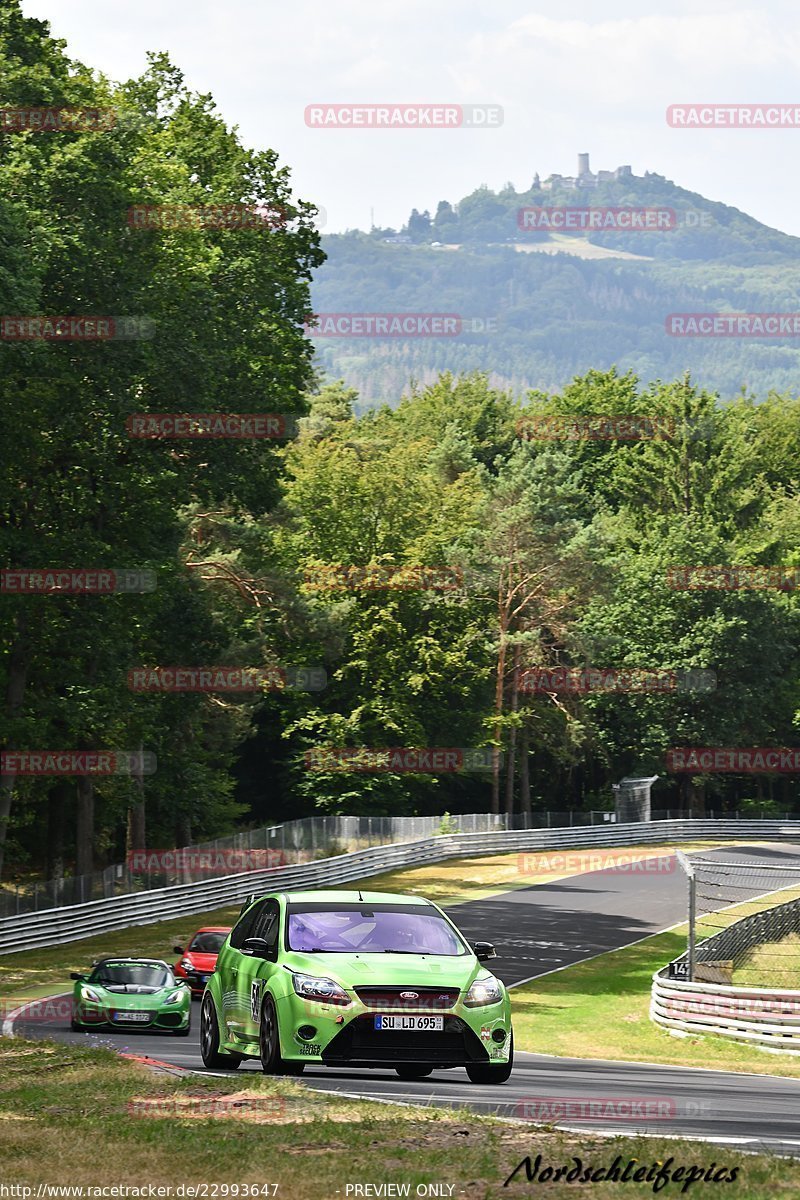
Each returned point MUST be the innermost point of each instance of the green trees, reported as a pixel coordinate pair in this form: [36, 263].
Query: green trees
[224, 308]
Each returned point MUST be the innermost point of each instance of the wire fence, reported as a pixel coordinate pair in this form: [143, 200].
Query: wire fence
[745, 917]
[292, 843]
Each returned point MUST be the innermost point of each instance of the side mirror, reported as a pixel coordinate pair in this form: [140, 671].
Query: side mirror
[484, 950]
[179, 949]
[258, 948]
[77, 975]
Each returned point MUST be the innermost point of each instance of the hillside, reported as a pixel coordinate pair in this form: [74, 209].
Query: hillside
[540, 318]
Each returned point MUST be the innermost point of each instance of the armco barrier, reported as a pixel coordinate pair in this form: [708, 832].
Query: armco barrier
[767, 1017]
[61, 925]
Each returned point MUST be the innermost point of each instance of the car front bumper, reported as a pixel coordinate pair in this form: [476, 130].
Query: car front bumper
[348, 1037]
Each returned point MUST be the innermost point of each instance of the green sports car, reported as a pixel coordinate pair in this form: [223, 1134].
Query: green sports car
[131, 993]
[355, 979]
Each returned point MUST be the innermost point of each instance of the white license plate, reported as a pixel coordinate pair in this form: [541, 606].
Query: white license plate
[131, 1016]
[410, 1023]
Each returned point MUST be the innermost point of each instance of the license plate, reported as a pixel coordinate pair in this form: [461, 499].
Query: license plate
[131, 1016]
[204, 978]
[410, 1023]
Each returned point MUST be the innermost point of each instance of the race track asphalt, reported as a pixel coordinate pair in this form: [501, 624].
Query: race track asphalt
[537, 930]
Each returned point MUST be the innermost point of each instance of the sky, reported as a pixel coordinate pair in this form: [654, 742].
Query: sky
[573, 77]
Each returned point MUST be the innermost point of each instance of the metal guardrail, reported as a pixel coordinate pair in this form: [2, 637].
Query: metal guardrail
[764, 1016]
[62, 925]
[761, 1015]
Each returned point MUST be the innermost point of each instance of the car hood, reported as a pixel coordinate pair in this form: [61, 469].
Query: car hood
[389, 970]
[203, 962]
[147, 998]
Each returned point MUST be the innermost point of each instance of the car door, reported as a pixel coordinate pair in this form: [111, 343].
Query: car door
[255, 970]
[229, 964]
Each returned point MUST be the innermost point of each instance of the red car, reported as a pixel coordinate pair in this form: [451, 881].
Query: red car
[200, 957]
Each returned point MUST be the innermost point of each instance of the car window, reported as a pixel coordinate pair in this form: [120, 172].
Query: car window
[243, 928]
[266, 925]
[139, 974]
[371, 930]
[207, 943]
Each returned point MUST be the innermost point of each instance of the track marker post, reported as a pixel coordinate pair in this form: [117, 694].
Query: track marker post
[688, 869]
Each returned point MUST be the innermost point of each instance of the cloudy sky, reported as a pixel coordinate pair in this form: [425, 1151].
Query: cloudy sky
[571, 77]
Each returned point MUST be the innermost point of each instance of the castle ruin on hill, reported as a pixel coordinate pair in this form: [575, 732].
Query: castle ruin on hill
[585, 177]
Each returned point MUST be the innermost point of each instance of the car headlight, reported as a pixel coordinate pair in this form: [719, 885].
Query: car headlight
[176, 996]
[484, 991]
[90, 994]
[187, 966]
[314, 987]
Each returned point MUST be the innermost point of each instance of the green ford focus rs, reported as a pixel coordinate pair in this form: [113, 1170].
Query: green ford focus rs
[355, 979]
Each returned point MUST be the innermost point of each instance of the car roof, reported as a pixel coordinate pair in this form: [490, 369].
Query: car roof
[356, 897]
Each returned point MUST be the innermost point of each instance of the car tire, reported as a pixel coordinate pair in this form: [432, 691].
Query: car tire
[75, 1026]
[414, 1072]
[269, 1042]
[492, 1072]
[209, 1039]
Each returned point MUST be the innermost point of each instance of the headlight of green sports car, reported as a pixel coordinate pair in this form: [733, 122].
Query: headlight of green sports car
[318, 987]
[483, 991]
[176, 996]
[90, 994]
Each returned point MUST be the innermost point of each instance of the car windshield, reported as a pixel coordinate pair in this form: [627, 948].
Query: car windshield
[367, 929]
[148, 975]
[207, 943]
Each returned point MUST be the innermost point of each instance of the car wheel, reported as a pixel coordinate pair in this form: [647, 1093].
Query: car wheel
[209, 1039]
[492, 1072]
[75, 1026]
[269, 1041]
[412, 1072]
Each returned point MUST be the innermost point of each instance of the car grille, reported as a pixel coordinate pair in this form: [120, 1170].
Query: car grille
[390, 1000]
[359, 1041]
[170, 1020]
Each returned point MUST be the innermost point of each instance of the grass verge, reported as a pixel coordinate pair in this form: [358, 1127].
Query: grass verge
[600, 1009]
[84, 1117]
